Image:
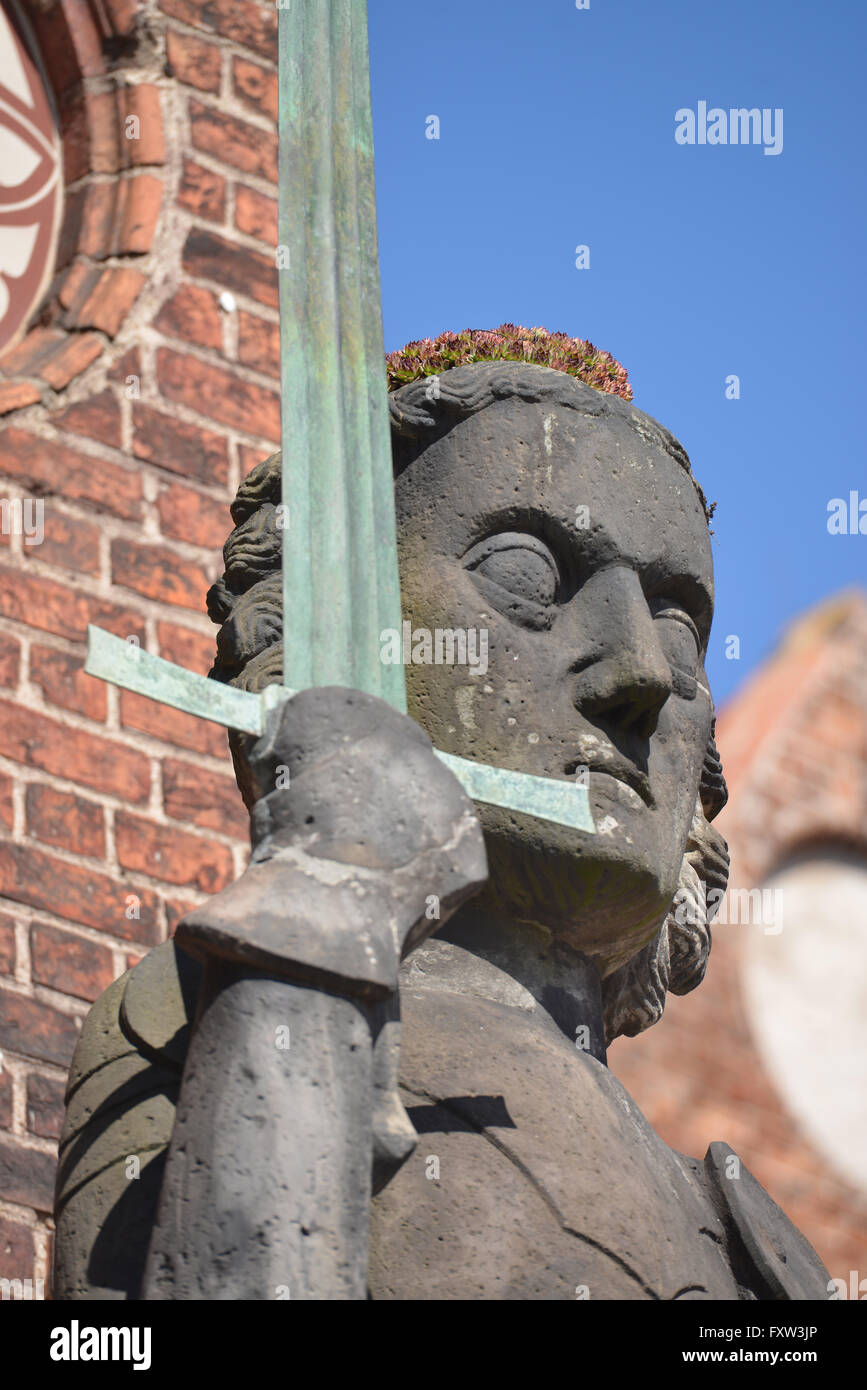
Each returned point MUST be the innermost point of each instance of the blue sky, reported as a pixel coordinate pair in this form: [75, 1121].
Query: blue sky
[557, 129]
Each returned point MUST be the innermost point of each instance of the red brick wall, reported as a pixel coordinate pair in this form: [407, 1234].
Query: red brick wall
[794, 750]
[132, 409]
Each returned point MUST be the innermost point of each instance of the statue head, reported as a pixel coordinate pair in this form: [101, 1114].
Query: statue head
[555, 556]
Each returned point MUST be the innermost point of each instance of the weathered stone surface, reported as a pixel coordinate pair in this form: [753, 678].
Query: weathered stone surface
[533, 1199]
[103, 1232]
[119, 1118]
[347, 843]
[101, 1039]
[159, 1003]
[786, 1265]
[270, 1193]
[133, 1119]
[566, 526]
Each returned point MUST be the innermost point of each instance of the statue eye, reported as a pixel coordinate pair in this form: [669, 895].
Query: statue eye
[682, 644]
[663, 608]
[518, 574]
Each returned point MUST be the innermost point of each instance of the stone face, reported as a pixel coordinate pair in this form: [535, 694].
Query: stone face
[566, 526]
[580, 546]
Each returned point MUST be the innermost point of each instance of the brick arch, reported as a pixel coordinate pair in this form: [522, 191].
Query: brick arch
[95, 54]
[823, 841]
[802, 996]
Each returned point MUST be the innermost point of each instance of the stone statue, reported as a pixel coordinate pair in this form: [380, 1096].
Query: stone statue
[257, 1110]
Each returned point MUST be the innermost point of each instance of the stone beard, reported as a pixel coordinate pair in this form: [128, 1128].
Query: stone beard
[567, 526]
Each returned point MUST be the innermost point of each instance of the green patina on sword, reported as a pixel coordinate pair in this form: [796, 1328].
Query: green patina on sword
[340, 574]
[340, 578]
[122, 663]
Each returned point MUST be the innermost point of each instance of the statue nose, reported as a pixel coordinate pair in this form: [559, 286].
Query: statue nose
[623, 676]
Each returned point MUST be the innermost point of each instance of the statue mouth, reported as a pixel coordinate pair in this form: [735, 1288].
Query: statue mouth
[618, 769]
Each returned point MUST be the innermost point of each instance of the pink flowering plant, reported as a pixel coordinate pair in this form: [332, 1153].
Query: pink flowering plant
[509, 343]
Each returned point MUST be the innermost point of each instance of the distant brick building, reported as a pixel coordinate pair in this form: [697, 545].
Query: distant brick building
[770, 1053]
[132, 401]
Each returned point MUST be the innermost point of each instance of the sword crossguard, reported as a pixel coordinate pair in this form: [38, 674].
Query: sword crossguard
[125, 664]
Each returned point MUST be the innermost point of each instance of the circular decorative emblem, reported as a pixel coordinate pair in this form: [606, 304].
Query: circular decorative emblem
[30, 182]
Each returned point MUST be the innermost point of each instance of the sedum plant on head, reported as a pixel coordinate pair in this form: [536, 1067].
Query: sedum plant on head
[509, 343]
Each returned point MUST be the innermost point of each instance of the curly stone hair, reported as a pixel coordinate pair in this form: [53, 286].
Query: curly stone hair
[247, 603]
[675, 959]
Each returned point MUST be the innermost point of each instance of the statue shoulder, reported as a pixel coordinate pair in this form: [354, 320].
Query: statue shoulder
[770, 1256]
[159, 1004]
[120, 1107]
